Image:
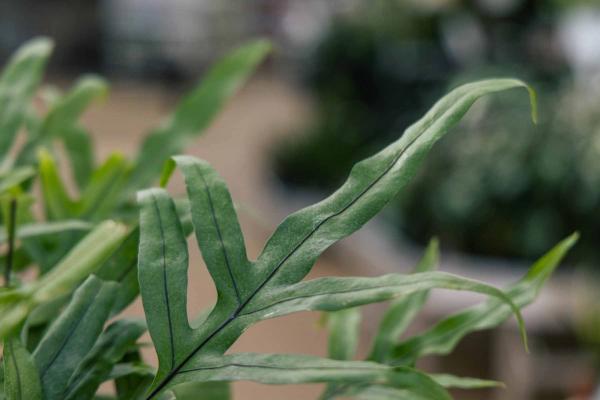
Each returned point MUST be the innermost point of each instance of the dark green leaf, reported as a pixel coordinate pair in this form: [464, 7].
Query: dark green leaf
[218, 231]
[22, 381]
[163, 256]
[72, 335]
[203, 391]
[78, 145]
[97, 365]
[270, 286]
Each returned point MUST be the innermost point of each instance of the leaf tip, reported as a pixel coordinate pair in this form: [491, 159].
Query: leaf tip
[533, 103]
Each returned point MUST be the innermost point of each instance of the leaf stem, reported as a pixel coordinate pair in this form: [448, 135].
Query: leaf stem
[11, 241]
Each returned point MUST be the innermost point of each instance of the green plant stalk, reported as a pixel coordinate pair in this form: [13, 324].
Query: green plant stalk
[11, 241]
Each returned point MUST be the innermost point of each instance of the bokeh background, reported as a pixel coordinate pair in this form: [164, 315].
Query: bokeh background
[346, 78]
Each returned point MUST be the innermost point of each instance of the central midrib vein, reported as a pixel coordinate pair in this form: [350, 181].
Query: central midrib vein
[240, 308]
[17, 372]
[165, 283]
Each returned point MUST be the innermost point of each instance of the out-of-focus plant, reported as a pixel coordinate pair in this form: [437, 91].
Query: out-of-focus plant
[500, 187]
[78, 236]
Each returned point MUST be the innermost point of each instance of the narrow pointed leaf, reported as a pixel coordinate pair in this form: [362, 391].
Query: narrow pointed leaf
[84, 259]
[344, 332]
[57, 201]
[444, 336]
[217, 231]
[402, 311]
[33, 230]
[97, 365]
[21, 378]
[294, 369]
[163, 264]
[196, 111]
[371, 185]
[18, 83]
[72, 335]
[332, 294]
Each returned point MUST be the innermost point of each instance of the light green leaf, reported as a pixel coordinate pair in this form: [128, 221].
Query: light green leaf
[33, 230]
[84, 259]
[444, 336]
[289, 254]
[458, 382]
[97, 365]
[196, 111]
[15, 177]
[294, 369]
[22, 381]
[58, 203]
[344, 333]
[78, 145]
[18, 84]
[333, 294]
[72, 335]
[402, 311]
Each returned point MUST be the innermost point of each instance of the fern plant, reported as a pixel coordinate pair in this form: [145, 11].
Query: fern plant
[251, 291]
[57, 344]
[73, 227]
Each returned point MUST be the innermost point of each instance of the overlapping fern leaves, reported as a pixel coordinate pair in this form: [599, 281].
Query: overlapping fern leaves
[56, 345]
[83, 224]
[251, 291]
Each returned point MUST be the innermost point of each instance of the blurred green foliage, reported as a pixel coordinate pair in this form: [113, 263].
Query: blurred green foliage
[498, 188]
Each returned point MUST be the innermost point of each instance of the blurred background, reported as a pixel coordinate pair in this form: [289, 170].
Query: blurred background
[346, 78]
